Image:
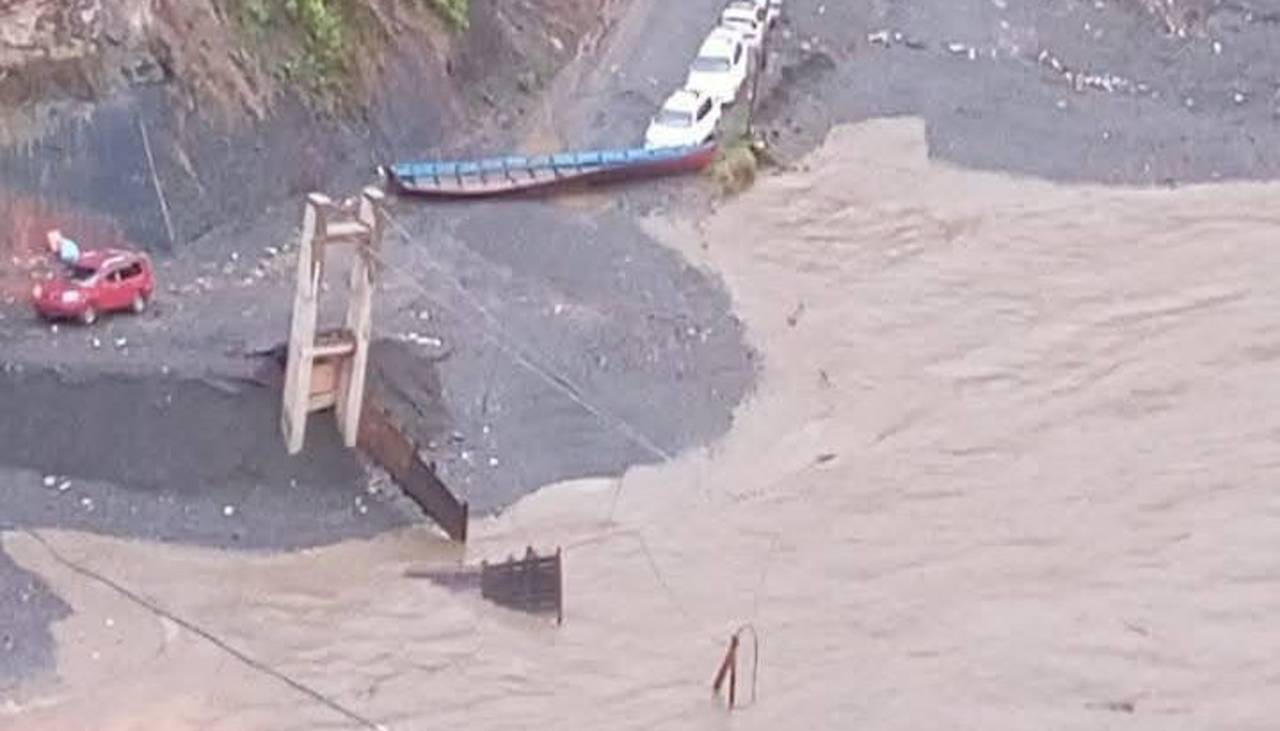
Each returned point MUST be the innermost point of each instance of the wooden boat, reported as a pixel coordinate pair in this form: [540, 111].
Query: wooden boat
[499, 175]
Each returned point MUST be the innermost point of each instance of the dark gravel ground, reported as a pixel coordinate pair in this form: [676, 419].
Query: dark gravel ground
[1200, 108]
[580, 291]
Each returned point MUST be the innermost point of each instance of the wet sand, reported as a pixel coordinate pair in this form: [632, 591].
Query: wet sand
[1009, 465]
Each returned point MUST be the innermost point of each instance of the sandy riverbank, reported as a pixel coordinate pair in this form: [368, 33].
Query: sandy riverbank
[1009, 465]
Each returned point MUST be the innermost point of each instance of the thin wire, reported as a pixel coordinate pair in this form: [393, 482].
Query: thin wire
[498, 336]
[653, 568]
[207, 636]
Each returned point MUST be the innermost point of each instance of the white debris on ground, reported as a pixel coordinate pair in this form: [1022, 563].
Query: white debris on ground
[228, 510]
[419, 339]
[1080, 81]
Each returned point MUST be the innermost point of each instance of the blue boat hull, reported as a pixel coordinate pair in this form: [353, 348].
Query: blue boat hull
[504, 175]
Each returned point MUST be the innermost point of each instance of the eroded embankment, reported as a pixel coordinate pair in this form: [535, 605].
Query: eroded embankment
[171, 118]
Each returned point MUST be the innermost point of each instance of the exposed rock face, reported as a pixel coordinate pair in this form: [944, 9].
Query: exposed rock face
[108, 105]
[46, 49]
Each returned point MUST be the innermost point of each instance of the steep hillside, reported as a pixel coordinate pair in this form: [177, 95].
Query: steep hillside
[156, 120]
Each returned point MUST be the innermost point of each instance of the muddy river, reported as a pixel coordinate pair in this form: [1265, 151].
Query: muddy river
[1010, 465]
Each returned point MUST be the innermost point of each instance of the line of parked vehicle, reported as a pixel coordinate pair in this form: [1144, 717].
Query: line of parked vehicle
[692, 114]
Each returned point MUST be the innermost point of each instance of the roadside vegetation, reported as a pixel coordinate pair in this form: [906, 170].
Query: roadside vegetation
[735, 167]
[737, 163]
[312, 45]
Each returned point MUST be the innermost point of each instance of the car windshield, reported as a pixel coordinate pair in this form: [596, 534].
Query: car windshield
[711, 63]
[80, 274]
[673, 118]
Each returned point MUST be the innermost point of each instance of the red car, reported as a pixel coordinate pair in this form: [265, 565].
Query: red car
[101, 281]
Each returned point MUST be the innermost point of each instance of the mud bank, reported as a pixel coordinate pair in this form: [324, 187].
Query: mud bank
[1010, 462]
[163, 458]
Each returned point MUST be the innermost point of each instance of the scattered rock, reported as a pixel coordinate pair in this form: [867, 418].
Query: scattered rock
[493, 461]
[228, 511]
[64, 486]
[95, 342]
[50, 480]
[527, 82]
[121, 343]
[418, 339]
[271, 251]
[87, 503]
[235, 256]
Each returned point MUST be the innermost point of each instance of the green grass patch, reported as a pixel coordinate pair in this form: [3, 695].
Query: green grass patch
[311, 45]
[735, 167]
[307, 44]
[457, 12]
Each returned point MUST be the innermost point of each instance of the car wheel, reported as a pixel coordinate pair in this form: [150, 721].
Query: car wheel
[89, 316]
[139, 304]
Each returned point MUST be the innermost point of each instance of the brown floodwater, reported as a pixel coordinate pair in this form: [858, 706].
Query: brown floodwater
[1011, 464]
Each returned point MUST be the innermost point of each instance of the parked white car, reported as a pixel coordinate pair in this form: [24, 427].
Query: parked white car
[721, 66]
[687, 118]
[775, 11]
[749, 19]
[772, 9]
